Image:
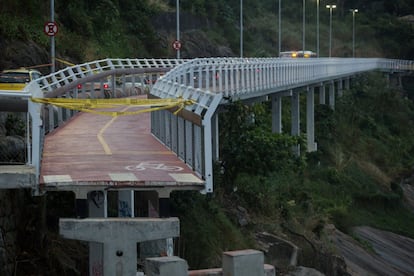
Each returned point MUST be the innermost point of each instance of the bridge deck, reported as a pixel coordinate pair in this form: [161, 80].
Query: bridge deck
[98, 152]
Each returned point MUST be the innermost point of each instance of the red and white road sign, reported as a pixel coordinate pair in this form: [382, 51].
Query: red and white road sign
[176, 45]
[50, 28]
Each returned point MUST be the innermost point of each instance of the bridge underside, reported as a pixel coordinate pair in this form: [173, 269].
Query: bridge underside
[95, 152]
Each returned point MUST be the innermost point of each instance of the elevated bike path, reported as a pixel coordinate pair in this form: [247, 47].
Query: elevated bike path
[96, 152]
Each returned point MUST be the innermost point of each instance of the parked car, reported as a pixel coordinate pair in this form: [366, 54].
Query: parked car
[17, 79]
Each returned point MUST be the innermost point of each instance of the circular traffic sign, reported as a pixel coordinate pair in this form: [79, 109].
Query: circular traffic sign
[176, 45]
[50, 28]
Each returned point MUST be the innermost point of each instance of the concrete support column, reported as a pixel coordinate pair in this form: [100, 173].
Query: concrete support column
[310, 119]
[295, 113]
[119, 236]
[322, 94]
[166, 266]
[276, 113]
[243, 263]
[97, 208]
[347, 83]
[162, 247]
[126, 203]
[340, 88]
[332, 95]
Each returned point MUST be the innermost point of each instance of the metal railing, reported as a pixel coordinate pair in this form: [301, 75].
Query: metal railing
[207, 81]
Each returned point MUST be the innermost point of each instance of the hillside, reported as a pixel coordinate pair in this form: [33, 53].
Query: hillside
[324, 203]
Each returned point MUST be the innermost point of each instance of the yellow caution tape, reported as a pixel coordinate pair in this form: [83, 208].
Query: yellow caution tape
[92, 105]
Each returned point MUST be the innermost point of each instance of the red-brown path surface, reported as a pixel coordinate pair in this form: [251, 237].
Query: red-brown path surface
[100, 151]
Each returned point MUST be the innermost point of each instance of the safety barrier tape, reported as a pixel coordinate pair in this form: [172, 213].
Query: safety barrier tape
[93, 105]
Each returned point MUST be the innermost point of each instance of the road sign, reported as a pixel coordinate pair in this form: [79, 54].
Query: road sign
[50, 28]
[176, 45]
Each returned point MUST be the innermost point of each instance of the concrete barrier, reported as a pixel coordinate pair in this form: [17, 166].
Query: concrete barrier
[166, 266]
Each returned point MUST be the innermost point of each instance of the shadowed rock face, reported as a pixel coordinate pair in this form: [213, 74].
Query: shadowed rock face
[17, 54]
[392, 254]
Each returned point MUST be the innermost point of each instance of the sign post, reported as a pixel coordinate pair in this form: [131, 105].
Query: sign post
[50, 29]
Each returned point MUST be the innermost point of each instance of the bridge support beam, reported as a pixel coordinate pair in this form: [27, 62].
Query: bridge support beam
[340, 88]
[332, 95]
[322, 94]
[119, 237]
[97, 208]
[276, 113]
[295, 120]
[310, 119]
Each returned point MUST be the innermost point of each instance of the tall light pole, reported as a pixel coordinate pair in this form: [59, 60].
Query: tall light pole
[354, 11]
[303, 25]
[330, 7]
[178, 26]
[280, 26]
[52, 38]
[241, 28]
[317, 28]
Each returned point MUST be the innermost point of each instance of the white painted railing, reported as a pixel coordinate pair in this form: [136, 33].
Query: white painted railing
[208, 81]
[244, 78]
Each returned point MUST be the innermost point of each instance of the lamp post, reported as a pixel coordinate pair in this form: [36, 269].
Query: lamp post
[280, 26]
[354, 11]
[178, 26]
[303, 25]
[317, 28]
[241, 28]
[330, 7]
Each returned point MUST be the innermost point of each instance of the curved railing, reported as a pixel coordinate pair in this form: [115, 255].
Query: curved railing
[244, 78]
[207, 81]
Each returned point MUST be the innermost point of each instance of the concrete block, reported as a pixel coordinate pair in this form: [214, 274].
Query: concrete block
[243, 263]
[166, 266]
[270, 270]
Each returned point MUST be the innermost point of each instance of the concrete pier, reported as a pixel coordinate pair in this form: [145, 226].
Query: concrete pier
[119, 237]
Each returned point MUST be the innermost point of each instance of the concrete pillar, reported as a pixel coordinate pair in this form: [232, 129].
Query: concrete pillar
[163, 247]
[166, 266]
[126, 204]
[276, 113]
[119, 236]
[295, 113]
[332, 95]
[97, 208]
[340, 88]
[322, 95]
[310, 119]
[347, 83]
[243, 263]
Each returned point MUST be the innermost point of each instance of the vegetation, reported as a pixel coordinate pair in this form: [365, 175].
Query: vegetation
[94, 29]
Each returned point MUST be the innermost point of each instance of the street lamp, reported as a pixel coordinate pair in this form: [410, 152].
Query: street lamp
[178, 26]
[330, 7]
[241, 28]
[317, 28]
[280, 26]
[303, 26]
[354, 11]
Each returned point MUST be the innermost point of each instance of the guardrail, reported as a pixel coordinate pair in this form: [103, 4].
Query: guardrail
[208, 81]
[214, 81]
